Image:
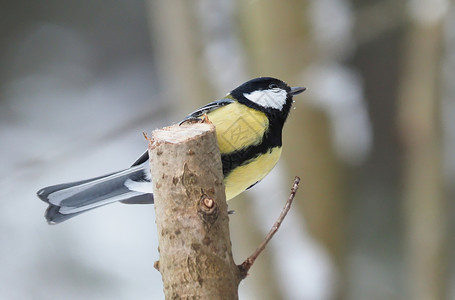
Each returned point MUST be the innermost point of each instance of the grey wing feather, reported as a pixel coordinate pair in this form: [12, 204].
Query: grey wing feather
[207, 108]
[70, 199]
[142, 159]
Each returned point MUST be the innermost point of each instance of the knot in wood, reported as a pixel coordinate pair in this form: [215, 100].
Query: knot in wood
[208, 202]
[207, 209]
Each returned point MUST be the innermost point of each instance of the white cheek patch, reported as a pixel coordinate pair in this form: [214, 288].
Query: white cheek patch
[274, 98]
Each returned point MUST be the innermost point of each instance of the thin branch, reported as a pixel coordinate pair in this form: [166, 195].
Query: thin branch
[246, 265]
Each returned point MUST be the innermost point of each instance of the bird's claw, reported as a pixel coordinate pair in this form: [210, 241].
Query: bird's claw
[204, 119]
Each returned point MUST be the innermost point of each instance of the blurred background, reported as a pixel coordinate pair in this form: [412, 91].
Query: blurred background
[373, 139]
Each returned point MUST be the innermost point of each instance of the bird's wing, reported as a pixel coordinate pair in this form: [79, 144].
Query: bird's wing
[194, 115]
[142, 159]
[207, 108]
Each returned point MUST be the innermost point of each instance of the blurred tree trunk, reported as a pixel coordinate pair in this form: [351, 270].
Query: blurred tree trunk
[178, 46]
[278, 43]
[423, 183]
[376, 219]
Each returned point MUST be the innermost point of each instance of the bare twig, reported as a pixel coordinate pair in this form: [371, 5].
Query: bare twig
[246, 265]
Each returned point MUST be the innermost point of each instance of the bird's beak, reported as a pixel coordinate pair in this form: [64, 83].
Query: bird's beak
[296, 90]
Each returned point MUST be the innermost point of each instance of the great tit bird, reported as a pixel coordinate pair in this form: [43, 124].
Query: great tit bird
[248, 122]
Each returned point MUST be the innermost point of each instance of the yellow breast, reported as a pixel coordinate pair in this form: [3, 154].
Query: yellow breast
[238, 126]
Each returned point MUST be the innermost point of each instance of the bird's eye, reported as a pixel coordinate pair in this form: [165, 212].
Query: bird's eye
[273, 86]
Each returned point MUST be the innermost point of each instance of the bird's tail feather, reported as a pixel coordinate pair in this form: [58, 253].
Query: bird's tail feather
[70, 199]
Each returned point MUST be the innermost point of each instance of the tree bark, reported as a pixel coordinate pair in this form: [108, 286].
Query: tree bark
[191, 214]
[425, 205]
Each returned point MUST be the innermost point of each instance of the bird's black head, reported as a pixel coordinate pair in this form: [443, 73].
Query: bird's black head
[267, 94]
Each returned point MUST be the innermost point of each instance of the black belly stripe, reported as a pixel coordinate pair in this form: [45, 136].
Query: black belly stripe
[241, 157]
